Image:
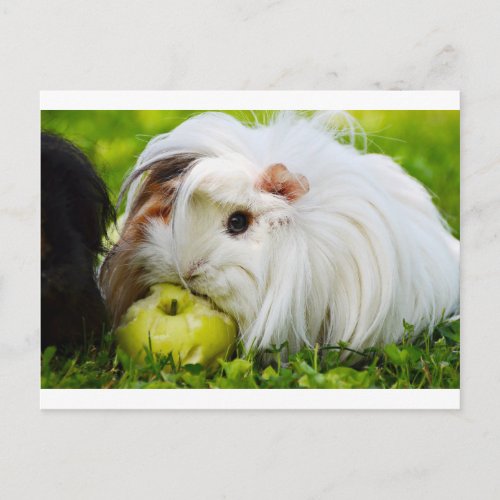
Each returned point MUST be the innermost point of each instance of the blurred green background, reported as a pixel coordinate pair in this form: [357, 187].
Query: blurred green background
[425, 143]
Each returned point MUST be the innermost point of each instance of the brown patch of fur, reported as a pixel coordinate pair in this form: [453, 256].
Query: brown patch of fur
[120, 280]
[120, 276]
[278, 180]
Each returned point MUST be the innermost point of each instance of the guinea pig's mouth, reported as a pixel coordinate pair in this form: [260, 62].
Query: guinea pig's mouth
[201, 295]
[213, 304]
[206, 297]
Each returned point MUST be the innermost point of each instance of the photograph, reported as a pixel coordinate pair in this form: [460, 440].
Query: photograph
[250, 249]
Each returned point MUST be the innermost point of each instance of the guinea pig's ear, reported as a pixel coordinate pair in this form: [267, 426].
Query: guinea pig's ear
[277, 179]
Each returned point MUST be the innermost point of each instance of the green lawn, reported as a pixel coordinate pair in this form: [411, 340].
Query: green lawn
[426, 143]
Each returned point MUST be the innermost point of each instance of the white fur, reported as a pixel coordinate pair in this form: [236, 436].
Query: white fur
[364, 249]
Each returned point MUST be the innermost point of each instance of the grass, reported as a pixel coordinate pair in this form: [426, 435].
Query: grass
[426, 143]
[426, 363]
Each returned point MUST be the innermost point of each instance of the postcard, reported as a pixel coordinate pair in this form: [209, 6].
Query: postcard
[235, 250]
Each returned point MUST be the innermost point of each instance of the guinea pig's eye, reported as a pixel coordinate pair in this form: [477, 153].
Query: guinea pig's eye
[237, 223]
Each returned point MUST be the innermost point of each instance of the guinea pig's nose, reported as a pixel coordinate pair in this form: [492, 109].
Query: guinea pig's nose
[194, 269]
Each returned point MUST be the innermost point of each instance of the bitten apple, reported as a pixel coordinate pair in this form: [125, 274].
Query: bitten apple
[177, 322]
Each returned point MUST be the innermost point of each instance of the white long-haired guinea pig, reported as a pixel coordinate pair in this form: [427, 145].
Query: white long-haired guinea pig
[297, 236]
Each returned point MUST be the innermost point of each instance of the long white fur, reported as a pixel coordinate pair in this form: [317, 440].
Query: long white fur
[362, 251]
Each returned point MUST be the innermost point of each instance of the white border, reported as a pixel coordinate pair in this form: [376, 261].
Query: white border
[254, 100]
[270, 399]
[245, 399]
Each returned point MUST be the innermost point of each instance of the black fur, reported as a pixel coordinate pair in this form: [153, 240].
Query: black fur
[75, 211]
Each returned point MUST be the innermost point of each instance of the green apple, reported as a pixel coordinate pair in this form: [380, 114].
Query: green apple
[177, 322]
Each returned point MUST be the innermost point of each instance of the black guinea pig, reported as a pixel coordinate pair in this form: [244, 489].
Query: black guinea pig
[75, 212]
